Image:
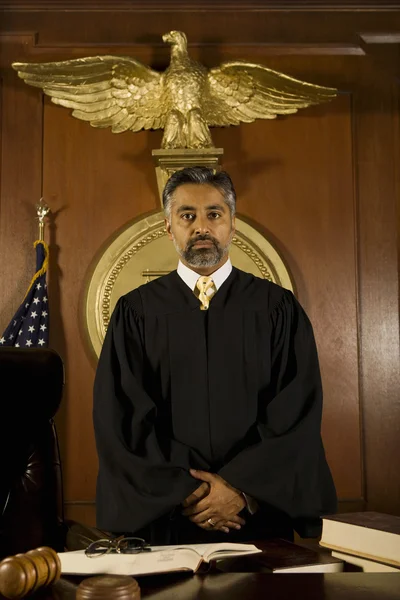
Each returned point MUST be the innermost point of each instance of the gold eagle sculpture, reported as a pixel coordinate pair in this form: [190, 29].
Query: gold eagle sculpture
[184, 100]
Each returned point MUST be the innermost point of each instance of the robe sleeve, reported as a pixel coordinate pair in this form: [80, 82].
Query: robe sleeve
[285, 465]
[141, 475]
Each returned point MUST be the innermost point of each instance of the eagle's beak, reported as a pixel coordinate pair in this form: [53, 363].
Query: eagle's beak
[167, 38]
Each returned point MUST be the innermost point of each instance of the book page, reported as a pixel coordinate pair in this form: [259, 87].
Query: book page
[143, 563]
[161, 559]
[216, 551]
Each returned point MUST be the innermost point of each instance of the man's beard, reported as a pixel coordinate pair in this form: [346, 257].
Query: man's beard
[203, 257]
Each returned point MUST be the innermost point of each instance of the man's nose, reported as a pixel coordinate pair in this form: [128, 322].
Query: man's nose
[202, 226]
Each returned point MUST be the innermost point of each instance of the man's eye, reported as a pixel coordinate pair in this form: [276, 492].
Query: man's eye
[188, 216]
[214, 215]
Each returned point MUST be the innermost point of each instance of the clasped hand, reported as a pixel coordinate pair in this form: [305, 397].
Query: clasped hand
[214, 499]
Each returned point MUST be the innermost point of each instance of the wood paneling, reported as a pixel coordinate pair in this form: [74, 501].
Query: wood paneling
[322, 185]
[195, 5]
[74, 29]
[294, 177]
[378, 173]
[95, 182]
[82, 512]
[21, 185]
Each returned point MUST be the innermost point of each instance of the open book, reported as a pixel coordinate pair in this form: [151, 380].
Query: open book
[161, 559]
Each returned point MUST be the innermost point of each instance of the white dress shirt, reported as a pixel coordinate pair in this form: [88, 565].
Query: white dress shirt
[190, 277]
[219, 276]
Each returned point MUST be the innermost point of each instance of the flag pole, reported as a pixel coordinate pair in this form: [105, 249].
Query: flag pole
[42, 210]
[29, 326]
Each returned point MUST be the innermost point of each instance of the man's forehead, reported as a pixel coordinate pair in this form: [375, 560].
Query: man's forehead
[193, 194]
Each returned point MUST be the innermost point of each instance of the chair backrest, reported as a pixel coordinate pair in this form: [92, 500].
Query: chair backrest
[31, 514]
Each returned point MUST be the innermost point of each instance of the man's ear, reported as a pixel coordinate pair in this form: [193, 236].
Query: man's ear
[168, 228]
[234, 224]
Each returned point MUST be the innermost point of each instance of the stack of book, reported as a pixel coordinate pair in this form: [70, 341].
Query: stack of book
[365, 541]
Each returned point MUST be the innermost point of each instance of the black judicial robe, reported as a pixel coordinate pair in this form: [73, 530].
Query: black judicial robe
[234, 390]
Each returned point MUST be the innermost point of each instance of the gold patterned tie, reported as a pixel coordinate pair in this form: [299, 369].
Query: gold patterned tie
[204, 285]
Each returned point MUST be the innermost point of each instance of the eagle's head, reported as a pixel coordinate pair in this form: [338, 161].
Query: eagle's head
[176, 38]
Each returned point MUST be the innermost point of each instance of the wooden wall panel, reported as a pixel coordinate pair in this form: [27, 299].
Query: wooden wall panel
[145, 25]
[322, 185]
[21, 184]
[95, 183]
[294, 177]
[378, 180]
[1, 133]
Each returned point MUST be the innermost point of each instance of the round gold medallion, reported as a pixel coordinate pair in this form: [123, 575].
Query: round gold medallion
[143, 252]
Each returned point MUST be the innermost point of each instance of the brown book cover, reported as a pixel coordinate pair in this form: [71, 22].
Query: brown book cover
[371, 535]
[370, 519]
[281, 556]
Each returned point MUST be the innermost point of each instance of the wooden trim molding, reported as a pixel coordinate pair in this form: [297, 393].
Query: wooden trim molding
[79, 502]
[320, 49]
[182, 5]
[61, 24]
[380, 38]
[18, 37]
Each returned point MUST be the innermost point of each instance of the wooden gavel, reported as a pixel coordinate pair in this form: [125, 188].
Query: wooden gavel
[23, 574]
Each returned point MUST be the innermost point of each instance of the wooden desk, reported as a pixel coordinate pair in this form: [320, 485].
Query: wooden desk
[256, 586]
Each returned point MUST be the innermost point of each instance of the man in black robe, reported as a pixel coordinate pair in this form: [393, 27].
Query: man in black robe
[208, 398]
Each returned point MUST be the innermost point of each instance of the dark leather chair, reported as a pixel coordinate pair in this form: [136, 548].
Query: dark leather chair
[31, 499]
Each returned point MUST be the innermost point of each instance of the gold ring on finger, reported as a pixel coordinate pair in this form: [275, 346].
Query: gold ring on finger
[211, 522]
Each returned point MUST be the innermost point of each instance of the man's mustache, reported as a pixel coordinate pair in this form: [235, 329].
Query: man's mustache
[202, 238]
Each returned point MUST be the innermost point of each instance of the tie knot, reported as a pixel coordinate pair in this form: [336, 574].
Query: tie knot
[204, 283]
[207, 289]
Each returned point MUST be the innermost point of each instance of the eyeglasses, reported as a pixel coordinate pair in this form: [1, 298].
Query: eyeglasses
[124, 545]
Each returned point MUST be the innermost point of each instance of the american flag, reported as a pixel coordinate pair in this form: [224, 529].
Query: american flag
[29, 328]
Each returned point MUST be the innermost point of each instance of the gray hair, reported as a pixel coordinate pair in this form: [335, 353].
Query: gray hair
[199, 175]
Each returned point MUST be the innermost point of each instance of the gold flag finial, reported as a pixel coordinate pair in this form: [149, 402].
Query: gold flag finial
[42, 210]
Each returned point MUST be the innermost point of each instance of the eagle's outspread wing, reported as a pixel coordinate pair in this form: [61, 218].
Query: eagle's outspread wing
[108, 91]
[241, 91]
